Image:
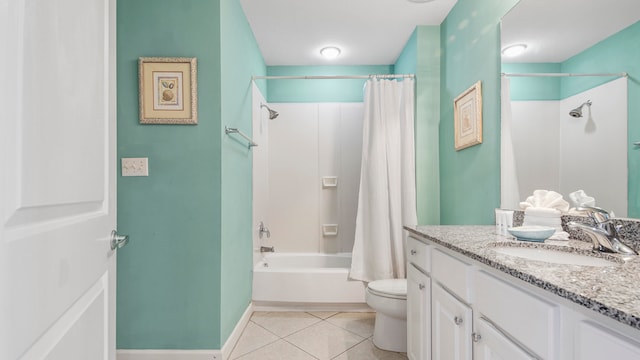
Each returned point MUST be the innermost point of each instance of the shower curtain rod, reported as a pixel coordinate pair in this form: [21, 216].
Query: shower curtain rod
[335, 77]
[623, 74]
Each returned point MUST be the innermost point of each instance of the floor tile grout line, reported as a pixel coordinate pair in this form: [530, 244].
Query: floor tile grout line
[320, 321]
[301, 349]
[360, 342]
[258, 348]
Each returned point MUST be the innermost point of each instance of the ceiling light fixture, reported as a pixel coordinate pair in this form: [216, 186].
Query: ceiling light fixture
[514, 50]
[420, 1]
[330, 52]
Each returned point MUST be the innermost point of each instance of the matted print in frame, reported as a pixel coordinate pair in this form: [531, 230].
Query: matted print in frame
[168, 90]
[467, 117]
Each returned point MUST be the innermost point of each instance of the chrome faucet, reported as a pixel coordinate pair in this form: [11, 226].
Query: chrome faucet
[262, 230]
[604, 234]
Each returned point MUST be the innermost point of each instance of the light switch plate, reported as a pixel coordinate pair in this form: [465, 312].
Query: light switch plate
[135, 166]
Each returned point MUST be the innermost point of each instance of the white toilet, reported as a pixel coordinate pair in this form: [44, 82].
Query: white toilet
[389, 299]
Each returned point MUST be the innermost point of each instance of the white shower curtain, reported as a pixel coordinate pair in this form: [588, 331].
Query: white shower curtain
[509, 189]
[387, 198]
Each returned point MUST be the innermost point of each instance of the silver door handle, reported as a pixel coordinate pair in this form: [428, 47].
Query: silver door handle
[458, 320]
[413, 252]
[118, 241]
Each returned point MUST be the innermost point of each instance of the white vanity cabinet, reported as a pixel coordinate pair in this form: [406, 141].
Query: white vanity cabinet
[418, 300]
[481, 313]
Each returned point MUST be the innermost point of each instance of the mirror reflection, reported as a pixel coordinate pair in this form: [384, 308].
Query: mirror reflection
[566, 67]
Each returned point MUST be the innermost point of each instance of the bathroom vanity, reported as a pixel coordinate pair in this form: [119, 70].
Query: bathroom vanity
[468, 299]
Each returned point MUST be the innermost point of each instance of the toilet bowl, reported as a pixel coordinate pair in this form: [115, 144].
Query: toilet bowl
[389, 299]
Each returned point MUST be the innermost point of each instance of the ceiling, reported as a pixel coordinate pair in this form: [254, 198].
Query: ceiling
[369, 32]
[557, 30]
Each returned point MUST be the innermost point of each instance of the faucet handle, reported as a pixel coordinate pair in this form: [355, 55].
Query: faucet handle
[263, 230]
[599, 215]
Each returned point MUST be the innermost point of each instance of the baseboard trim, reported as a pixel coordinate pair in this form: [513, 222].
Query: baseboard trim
[223, 354]
[228, 346]
[169, 355]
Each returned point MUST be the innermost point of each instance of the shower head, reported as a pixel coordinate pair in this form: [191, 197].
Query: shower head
[577, 112]
[272, 113]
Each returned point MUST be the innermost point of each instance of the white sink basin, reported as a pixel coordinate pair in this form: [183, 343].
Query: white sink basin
[555, 257]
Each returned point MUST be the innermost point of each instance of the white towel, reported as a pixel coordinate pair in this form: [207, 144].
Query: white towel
[546, 217]
[545, 199]
[580, 199]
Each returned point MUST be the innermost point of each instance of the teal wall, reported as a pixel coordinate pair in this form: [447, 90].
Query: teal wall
[533, 88]
[421, 56]
[240, 60]
[470, 178]
[303, 90]
[175, 276]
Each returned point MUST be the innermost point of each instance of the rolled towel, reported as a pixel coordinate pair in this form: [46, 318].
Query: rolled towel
[545, 199]
[580, 199]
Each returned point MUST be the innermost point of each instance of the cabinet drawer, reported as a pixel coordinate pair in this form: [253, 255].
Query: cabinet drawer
[596, 342]
[419, 254]
[452, 273]
[529, 319]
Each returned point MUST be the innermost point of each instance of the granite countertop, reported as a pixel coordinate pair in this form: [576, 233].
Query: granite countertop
[612, 291]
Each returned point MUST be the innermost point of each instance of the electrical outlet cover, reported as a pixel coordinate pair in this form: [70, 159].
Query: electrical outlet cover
[135, 166]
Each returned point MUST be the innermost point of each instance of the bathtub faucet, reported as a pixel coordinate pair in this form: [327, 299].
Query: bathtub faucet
[263, 230]
[266, 249]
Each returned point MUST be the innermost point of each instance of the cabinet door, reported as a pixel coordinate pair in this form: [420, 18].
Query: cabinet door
[451, 326]
[418, 314]
[491, 344]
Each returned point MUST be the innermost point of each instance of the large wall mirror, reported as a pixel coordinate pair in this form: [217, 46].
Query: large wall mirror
[570, 132]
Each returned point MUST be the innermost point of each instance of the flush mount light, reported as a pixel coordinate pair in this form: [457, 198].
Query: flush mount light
[514, 50]
[330, 52]
[420, 1]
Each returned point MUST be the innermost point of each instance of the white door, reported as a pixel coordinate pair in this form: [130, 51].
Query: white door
[451, 326]
[57, 179]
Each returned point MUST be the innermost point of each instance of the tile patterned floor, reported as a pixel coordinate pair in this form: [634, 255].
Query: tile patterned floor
[310, 336]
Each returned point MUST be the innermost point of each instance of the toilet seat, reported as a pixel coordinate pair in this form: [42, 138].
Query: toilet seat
[389, 288]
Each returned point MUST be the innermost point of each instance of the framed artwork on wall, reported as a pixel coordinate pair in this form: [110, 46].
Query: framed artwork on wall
[467, 117]
[168, 90]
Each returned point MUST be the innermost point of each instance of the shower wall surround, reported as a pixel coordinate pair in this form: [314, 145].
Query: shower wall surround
[307, 142]
[556, 151]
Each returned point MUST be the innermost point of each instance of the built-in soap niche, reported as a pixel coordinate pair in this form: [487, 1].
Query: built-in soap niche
[329, 229]
[329, 182]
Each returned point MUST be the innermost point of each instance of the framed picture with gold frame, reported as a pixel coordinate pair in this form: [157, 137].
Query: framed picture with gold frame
[467, 117]
[168, 90]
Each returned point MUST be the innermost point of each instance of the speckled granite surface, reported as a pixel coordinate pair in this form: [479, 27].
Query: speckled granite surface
[612, 291]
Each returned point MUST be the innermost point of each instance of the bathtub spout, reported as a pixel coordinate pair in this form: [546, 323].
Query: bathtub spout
[266, 249]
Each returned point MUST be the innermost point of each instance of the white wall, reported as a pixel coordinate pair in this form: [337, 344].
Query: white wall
[555, 151]
[594, 147]
[305, 143]
[536, 145]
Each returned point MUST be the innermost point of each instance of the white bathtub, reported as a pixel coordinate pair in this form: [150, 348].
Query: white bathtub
[306, 278]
